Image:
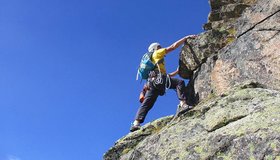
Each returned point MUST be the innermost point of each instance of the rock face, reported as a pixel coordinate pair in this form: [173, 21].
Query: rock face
[221, 31]
[217, 64]
[242, 124]
[234, 71]
[128, 143]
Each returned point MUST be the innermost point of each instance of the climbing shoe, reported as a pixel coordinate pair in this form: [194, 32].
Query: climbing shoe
[134, 128]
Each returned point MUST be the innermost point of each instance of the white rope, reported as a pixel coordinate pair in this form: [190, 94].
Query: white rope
[158, 80]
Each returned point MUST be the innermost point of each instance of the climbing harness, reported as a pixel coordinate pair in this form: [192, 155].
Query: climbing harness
[159, 80]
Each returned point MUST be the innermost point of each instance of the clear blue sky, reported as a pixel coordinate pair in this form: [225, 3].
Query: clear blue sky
[68, 68]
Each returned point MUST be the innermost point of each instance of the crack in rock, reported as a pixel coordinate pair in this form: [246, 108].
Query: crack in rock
[226, 122]
[257, 24]
[269, 29]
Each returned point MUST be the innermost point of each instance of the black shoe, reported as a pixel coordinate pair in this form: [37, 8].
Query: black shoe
[134, 128]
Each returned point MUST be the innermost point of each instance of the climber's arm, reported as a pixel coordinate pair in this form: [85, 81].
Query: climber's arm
[177, 43]
[174, 73]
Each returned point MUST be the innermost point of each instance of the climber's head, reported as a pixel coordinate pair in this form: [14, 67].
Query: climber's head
[154, 46]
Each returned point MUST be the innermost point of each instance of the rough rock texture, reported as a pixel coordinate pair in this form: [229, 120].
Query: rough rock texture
[234, 71]
[254, 55]
[129, 142]
[242, 124]
[221, 31]
[248, 49]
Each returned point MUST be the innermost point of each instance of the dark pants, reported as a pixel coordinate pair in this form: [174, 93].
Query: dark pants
[156, 90]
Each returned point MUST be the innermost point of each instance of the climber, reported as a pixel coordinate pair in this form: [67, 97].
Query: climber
[158, 81]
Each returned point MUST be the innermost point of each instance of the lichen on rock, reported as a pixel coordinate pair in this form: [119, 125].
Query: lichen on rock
[241, 125]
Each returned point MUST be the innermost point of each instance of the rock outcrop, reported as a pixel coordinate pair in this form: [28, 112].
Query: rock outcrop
[234, 71]
[247, 49]
[242, 124]
[221, 31]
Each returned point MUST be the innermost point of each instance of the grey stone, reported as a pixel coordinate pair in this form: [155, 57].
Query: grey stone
[244, 124]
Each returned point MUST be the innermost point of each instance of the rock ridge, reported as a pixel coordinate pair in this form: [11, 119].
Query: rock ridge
[241, 124]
